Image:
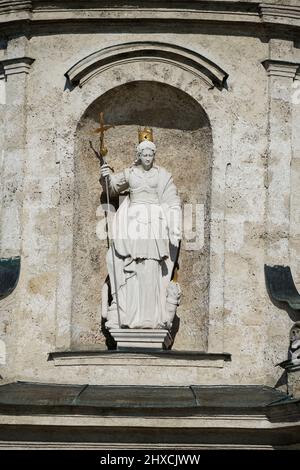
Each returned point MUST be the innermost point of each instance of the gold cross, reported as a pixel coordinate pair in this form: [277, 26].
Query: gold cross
[100, 130]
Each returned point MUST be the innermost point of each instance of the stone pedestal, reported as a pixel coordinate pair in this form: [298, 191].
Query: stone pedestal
[138, 339]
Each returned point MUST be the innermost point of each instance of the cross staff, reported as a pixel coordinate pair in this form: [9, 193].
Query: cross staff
[100, 155]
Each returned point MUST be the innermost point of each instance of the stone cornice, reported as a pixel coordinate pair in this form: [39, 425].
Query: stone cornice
[16, 65]
[14, 10]
[231, 12]
[280, 68]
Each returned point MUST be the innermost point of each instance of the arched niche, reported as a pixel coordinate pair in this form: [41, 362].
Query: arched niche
[183, 137]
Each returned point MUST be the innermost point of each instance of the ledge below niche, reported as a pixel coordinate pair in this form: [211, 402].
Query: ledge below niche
[144, 359]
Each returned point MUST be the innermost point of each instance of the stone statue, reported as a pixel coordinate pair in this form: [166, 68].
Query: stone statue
[145, 237]
[294, 349]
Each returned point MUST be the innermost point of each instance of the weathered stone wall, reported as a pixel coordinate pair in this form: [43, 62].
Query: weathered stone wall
[248, 144]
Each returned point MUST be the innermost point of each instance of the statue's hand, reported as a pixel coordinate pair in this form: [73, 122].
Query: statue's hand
[105, 170]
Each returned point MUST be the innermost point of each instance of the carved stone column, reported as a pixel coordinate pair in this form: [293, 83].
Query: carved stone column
[14, 73]
[281, 68]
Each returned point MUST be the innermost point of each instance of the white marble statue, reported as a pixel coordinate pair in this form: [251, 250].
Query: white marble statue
[146, 231]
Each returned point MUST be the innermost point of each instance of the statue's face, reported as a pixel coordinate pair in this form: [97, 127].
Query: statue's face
[146, 158]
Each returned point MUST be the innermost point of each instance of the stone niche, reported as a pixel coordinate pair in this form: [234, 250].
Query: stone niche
[182, 134]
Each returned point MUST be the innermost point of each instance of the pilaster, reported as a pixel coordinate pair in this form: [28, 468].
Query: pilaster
[295, 182]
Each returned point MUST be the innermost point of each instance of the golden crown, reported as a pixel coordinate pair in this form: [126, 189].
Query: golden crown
[145, 134]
